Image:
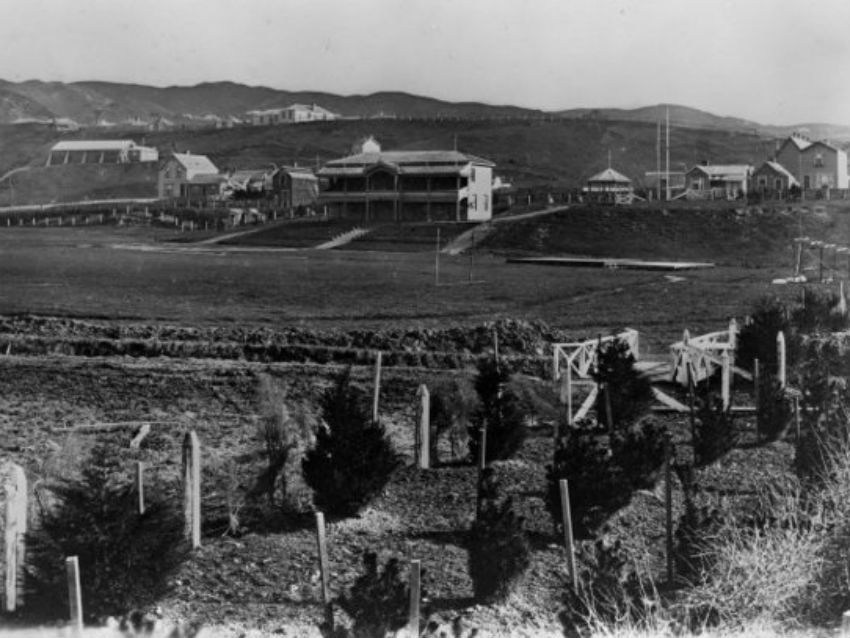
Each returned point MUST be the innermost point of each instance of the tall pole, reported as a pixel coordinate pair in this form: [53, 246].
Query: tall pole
[658, 158]
[437, 261]
[667, 169]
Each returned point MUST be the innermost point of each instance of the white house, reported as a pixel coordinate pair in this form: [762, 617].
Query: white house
[100, 152]
[192, 177]
[720, 181]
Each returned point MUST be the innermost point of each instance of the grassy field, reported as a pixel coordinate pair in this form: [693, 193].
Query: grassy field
[81, 273]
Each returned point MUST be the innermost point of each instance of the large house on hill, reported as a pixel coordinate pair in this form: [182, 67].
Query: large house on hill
[189, 177]
[292, 114]
[814, 164]
[100, 152]
[409, 186]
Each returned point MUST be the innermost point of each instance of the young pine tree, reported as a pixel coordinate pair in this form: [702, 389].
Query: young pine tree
[498, 410]
[353, 457]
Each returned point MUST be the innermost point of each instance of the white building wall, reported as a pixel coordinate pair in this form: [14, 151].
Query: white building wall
[479, 193]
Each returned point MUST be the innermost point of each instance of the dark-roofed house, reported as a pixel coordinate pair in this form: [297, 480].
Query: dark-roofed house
[771, 178]
[286, 187]
[409, 186]
[191, 177]
[814, 164]
[720, 181]
[609, 186]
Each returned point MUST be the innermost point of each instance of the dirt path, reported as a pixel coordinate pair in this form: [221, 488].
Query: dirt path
[240, 233]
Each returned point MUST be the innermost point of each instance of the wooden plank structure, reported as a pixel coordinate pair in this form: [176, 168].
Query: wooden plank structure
[693, 359]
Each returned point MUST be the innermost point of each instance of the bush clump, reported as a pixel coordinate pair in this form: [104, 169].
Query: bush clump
[627, 393]
[603, 471]
[125, 558]
[353, 456]
[715, 433]
[499, 550]
[775, 413]
[499, 410]
[378, 601]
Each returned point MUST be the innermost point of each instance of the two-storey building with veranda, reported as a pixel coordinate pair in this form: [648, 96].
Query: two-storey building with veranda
[407, 186]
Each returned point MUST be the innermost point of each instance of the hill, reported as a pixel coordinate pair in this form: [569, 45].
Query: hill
[553, 154]
[688, 117]
[115, 102]
[85, 102]
[557, 153]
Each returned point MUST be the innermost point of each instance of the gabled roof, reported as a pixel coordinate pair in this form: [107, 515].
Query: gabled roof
[779, 169]
[94, 145]
[199, 164]
[800, 142]
[725, 171]
[610, 175]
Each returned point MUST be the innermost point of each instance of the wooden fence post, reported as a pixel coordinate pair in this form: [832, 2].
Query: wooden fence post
[376, 393]
[140, 486]
[413, 614]
[192, 489]
[757, 396]
[15, 488]
[668, 502]
[423, 429]
[567, 520]
[75, 596]
[780, 359]
[725, 379]
[323, 569]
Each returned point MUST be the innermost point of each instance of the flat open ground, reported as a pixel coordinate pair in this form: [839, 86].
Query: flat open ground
[80, 273]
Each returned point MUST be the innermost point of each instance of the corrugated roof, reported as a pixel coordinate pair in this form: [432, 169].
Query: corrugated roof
[727, 171]
[196, 163]
[610, 175]
[405, 161]
[94, 145]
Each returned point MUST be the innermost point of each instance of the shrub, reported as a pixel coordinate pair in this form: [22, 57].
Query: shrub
[353, 457]
[817, 313]
[451, 405]
[378, 601]
[500, 410]
[757, 339]
[125, 558]
[628, 392]
[602, 471]
[715, 433]
[774, 410]
[499, 550]
[281, 432]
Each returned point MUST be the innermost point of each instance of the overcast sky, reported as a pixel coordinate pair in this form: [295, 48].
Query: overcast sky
[774, 61]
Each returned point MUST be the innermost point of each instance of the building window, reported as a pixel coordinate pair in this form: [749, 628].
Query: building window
[763, 182]
[486, 203]
[818, 161]
[472, 174]
[473, 202]
[777, 184]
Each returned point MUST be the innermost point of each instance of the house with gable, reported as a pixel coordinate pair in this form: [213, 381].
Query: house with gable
[815, 165]
[771, 178]
[717, 181]
[190, 177]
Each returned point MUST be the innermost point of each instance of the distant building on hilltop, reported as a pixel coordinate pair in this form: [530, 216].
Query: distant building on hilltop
[814, 164]
[293, 114]
[409, 186]
[721, 181]
[100, 152]
[190, 177]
